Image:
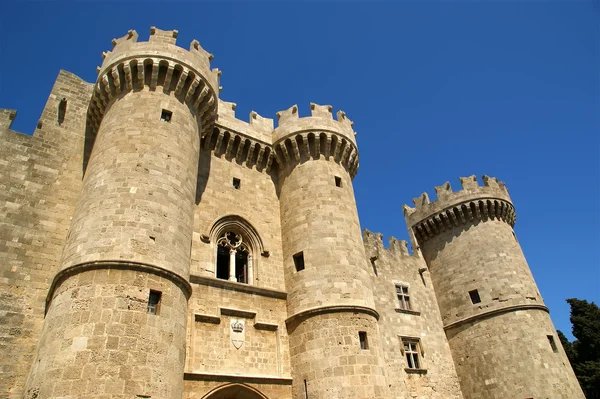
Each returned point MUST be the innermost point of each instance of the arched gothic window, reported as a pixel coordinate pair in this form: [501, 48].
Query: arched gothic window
[238, 246]
[234, 258]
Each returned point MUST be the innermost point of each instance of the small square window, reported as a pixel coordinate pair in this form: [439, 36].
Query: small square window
[552, 343]
[237, 183]
[474, 296]
[403, 297]
[362, 337]
[338, 181]
[166, 115]
[411, 348]
[299, 261]
[154, 302]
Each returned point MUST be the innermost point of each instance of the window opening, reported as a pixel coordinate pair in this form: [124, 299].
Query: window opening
[338, 181]
[362, 337]
[233, 257]
[236, 183]
[166, 115]
[552, 343]
[153, 302]
[474, 296]
[299, 261]
[403, 297]
[411, 352]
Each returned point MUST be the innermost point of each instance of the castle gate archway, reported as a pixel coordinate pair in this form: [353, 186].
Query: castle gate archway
[235, 391]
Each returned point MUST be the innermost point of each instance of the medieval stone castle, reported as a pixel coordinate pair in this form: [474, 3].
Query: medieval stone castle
[152, 245]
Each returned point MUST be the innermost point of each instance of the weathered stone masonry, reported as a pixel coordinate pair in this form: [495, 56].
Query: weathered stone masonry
[153, 245]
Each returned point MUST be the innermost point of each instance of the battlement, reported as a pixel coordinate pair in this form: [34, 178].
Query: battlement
[297, 139]
[321, 118]
[453, 208]
[158, 62]
[374, 244]
[7, 117]
[257, 127]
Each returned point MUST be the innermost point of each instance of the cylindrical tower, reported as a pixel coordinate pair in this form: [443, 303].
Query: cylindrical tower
[502, 339]
[116, 311]
[335, 350]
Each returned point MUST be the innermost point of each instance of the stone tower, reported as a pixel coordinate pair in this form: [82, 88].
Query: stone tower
[503, 342]
[130, 237]
[331, 312]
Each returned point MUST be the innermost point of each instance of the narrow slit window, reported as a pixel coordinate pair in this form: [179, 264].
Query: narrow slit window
[299, 261]
[338, 181]
[552, 343]
[362, 337]
[474, 296]
[237, 183]
[154, 302]
[166, 115]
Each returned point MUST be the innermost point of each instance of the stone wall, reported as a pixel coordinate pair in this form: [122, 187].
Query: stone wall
[395, 266]
[40, 179]
[99, 341]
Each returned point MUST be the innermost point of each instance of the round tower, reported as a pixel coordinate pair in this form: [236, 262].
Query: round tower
[332, 322]
[116, 311]
[502, 339]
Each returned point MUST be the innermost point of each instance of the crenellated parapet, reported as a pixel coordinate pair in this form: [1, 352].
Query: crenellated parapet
[7, 117]
[159, 62]
[451, 209]
[374, 245]
[297, 139]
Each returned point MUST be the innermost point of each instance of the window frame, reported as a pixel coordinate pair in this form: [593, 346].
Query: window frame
[403, 297]
[415, 351]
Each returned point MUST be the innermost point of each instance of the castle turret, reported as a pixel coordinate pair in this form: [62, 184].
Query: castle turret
[501, 336]
[335, 348]
[116, 311]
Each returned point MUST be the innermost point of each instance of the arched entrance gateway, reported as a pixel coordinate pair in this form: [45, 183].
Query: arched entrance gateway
[234, 391]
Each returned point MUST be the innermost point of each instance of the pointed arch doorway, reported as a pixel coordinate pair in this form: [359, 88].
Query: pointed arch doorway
[235, 391]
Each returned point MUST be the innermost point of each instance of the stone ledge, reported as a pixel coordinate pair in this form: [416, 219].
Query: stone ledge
[206, 318]
[256, 379]
[234, 286]
[333, 309]
[415, 371]
[245, 314]
[495, 312]
[413, 312]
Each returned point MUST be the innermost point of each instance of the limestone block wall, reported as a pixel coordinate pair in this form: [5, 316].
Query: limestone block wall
[40, 178]
[261, 350]
[255, 202]
[509, 355]
[139, 188]
[320, 219]
[395, 266]
[99, 340]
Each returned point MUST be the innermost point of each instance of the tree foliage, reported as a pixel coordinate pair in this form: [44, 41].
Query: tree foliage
[584, 352]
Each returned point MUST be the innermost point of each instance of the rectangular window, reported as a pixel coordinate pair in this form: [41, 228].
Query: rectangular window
[403, 297]
[552, 343]
[474, 296]
[166, 115]
[338, 181]
[362, 337]
[154, 302]
[411, 349]
[299, 261]
[237, 183]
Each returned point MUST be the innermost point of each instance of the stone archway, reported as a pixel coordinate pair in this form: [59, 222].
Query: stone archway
[234, 391]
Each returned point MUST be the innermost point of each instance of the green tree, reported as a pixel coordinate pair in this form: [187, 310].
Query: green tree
[584, 352]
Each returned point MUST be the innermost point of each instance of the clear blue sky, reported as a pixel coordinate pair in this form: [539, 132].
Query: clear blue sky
[437, 90]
